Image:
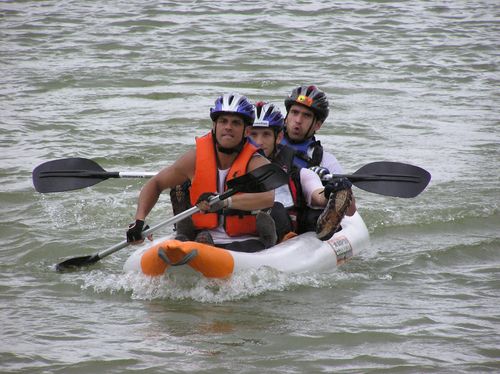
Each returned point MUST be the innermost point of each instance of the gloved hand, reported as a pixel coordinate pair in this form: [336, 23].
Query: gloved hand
[134, 232]
[202, 203]
[320, 170]
[337, 184]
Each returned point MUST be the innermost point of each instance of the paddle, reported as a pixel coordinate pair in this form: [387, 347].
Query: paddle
[388, 178]
[265, 178]
[383, 177]
[74, 173]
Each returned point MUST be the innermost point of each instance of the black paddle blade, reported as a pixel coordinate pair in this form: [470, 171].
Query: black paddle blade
[391, 179]
[77, 262]
[262, 179]
[67, 174]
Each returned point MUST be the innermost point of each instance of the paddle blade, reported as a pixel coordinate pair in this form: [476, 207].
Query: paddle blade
[67, 174]
[262, 179]
[77, 262]
[391, 179]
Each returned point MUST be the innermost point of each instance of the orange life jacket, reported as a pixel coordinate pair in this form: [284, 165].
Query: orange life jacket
[206, 180]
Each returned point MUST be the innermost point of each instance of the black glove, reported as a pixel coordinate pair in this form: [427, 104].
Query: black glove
[134, 232]
[206, 196]
[320, 170]
[336, 185]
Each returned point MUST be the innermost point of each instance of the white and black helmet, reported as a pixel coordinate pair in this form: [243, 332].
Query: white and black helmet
[268, 115]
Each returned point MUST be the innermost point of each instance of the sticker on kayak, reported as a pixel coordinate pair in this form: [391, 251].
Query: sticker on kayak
[342, 248]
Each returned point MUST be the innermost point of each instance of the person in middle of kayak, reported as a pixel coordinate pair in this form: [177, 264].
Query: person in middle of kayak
[307, 109]
[305, 190]
[220, 155]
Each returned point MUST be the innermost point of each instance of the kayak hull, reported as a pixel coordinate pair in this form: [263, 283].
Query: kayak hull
[303, 253]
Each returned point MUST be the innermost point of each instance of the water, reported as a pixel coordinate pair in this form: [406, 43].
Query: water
[130, 85]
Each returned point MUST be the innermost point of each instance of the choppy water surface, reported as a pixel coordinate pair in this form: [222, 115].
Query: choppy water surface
[130, 85]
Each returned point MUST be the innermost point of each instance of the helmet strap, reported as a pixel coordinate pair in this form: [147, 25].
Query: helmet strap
[305, 136]
[275, 146]
[313, 122]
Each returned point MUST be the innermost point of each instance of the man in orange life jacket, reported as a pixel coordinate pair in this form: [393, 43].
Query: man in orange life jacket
[307, 108]
[220, 155]
[305, 190]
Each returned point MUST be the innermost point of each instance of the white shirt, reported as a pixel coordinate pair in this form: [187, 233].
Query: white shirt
[219, 235]
[330, 162]
[309, 181]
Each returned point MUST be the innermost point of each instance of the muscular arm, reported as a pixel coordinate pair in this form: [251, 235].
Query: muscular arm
[179, 172]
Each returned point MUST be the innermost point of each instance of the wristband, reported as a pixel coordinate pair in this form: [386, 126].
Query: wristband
[229, 202]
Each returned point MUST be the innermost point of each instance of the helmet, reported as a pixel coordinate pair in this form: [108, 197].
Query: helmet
[233, 103]
[311, 97]
[268, 115]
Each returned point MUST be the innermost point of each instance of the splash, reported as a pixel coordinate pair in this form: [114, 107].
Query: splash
[194, 287]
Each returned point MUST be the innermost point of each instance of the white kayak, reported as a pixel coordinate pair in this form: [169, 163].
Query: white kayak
[303, 253]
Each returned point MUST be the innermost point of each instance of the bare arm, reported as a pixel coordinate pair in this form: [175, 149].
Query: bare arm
[318, 198]
[179, 172]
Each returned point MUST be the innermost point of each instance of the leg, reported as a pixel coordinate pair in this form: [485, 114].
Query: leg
[282, 220]
[179, 196]
[266, 228]
[249, 246]
[307, 220]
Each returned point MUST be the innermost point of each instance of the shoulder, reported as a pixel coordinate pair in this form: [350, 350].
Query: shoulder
[309, 176]
[256, 161]
[188, 157]
[285, 148]
[186, 163]
[284, 157]
[177, 173]
[287, 151]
